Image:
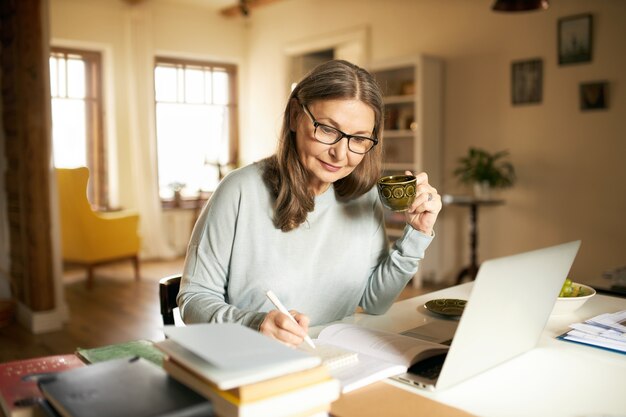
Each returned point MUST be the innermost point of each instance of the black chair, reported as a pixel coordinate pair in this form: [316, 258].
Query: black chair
[168, 290]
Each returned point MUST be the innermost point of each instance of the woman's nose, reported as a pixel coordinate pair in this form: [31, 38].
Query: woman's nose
[339, 150]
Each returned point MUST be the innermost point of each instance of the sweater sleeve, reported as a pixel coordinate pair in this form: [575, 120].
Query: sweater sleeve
[203, 295]
[391, 268]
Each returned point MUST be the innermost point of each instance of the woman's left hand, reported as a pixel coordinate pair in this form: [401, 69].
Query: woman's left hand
[423, 213]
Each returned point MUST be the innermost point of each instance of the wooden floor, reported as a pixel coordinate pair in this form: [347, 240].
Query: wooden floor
[116, 310]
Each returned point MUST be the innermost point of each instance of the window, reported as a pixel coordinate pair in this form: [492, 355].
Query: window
[77, 135]
[196, 116]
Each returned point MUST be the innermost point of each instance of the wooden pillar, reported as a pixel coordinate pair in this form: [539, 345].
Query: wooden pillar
[26, 116]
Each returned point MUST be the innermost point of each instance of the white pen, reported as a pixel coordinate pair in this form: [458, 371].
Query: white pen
[283, 310]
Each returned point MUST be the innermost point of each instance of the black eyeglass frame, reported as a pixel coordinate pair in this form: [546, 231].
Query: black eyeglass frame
[317, 124]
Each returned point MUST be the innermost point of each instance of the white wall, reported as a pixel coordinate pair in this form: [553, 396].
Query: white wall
[569, 163]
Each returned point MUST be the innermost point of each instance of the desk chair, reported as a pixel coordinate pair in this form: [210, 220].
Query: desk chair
[168, 290]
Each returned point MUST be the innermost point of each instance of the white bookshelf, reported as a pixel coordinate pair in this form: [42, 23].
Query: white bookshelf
[412, 139]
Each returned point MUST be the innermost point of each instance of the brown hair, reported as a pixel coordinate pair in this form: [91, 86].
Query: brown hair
[284, 173]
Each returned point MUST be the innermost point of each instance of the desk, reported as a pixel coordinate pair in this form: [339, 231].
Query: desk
[473, 203]
[557, 379]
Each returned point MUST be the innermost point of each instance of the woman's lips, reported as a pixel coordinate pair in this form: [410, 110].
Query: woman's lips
[329, 167]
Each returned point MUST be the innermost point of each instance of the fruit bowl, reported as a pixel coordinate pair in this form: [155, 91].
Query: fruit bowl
[566, 305]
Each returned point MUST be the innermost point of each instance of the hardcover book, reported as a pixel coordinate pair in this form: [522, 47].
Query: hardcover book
[122, 388]
[142, 348]
[252, 392]
[19, 393]
[299, 402]
[231, 355]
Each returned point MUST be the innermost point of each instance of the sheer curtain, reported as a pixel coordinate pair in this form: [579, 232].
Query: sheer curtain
[139, 58]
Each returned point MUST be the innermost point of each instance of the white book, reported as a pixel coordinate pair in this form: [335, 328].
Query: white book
[380, 354]
[231, 355]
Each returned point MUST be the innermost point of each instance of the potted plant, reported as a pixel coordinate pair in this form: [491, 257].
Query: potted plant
[485, 171]
[177, 188]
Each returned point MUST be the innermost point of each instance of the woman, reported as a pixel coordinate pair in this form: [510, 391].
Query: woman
[306, 222]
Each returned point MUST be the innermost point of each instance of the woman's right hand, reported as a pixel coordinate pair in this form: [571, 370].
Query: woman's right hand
[280, 327]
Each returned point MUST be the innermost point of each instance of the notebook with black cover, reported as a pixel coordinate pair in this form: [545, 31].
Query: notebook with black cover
[121, 388]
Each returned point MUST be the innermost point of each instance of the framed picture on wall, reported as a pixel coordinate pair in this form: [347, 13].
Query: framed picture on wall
[594, 95]
[527, 81]
[575, 39]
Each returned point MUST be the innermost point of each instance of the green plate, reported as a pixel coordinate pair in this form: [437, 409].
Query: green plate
[450, 307]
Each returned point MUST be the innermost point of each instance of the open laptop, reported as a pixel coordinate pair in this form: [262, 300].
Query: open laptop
[508, 308]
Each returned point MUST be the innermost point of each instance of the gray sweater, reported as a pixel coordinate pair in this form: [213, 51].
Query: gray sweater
[337, 260]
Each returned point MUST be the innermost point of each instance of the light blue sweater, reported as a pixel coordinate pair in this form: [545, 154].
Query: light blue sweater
[337, 260]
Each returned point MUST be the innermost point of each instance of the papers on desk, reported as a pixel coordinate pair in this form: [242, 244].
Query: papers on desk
[607, 331]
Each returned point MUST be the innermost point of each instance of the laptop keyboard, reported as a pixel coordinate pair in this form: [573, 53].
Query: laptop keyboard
[429, 368]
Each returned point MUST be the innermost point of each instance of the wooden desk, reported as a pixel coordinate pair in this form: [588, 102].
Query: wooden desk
[382, 399]
[556, 379]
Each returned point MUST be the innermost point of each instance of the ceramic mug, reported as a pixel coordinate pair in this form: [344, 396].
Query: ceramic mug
[397, 192]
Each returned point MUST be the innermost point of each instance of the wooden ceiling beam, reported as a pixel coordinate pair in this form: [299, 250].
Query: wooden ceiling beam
[133, 2]
[243, 7]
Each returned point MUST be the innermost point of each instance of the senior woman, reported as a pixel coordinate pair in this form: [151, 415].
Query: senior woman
[306, 222]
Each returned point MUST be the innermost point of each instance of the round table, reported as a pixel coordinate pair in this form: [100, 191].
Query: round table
[473, 203]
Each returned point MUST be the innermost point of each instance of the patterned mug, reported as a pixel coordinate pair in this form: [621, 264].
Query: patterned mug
[397, 192]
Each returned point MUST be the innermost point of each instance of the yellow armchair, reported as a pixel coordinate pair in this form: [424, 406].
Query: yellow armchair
[90, 238]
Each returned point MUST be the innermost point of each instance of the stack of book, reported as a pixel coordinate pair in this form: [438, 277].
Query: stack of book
[246, 374]
[607, 331]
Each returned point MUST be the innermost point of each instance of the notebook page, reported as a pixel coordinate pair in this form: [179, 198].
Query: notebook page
[333, 357]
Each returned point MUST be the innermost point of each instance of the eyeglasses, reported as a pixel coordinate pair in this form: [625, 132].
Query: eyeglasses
[330, 135]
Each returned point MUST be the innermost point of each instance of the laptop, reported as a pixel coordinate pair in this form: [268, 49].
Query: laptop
[508, 308]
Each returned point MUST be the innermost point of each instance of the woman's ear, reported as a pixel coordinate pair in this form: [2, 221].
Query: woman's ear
[294, 111]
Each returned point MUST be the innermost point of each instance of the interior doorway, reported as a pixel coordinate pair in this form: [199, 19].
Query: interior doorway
[303, 56]
[302, 64]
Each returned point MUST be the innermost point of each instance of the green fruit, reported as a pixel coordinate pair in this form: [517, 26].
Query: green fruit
[567, 289]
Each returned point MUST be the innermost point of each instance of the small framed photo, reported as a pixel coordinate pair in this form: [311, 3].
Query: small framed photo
[527, 81]
[575, 39]
[594, 95]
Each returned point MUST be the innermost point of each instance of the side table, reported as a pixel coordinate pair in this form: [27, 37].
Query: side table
[473, 203]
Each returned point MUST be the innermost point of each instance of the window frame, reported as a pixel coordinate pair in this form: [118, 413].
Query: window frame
[233, 108]
[97, 189]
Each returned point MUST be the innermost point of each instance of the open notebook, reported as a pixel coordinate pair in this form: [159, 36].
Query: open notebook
[333, 357]
[358, 356]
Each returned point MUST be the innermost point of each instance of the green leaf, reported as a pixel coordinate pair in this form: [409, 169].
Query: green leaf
[480, 165]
